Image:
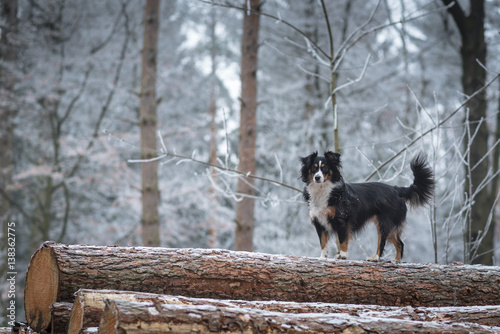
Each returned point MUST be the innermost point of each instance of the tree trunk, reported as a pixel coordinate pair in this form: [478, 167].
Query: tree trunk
[479, 238]
[154, 317]
[248, 127]
[212, 196]
[313, 100]
[57, 271]
[89, 305]
[150, 192]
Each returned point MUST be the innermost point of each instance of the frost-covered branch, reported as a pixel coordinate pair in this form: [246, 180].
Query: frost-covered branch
[217, 167]
[274, 17]
[430, 130]
[350, 42]
[111, 94]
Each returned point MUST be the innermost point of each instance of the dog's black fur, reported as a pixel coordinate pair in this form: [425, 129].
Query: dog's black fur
[345, 208]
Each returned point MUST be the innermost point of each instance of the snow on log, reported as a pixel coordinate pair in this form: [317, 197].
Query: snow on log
[153, 317]
[57, 271]
[89, 305]
[18, 329]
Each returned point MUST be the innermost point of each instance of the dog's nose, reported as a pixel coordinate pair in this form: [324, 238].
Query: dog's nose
[317, 178]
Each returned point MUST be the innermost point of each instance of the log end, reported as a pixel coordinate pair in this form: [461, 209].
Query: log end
[76, 317]
[41, 288]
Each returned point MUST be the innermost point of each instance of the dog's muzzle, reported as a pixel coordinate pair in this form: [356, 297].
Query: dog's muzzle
[318, 177]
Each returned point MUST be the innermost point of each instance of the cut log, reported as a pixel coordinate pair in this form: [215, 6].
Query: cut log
[60, 313]
[149, 317]
[89, 305]
[57, 271]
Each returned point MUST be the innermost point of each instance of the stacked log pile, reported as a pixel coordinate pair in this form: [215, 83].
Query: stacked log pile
[82, 289]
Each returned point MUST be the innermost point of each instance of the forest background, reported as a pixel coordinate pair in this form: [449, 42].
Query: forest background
[377, 80]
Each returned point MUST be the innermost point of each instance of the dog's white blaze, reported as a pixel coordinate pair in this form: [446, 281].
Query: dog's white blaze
[320, 174]
[318, 201]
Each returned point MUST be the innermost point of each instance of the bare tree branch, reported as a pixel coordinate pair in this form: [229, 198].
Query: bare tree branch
[446, 119]
[279, 19]
[218, 167]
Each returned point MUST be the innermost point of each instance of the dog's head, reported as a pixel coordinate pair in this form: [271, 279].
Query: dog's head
[319, 169]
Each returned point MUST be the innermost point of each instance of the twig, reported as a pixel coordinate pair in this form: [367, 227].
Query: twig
[226, 136]
[347, 47]
[111, 94]
[350, 82]
[221, 168]
[329, 29]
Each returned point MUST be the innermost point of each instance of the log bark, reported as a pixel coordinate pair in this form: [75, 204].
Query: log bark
[152, 317]
[60, 313]
[89, 305]
[57, 271]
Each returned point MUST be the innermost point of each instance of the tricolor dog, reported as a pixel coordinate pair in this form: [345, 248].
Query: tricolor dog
[343, 209]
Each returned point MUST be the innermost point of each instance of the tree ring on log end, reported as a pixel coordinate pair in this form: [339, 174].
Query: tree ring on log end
[41, 287]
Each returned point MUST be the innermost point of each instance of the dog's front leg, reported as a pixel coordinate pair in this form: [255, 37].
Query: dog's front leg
[343, 237]
[324, 237]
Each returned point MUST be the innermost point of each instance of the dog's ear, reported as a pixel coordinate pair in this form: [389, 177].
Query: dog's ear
[333, 157]
[306, 161]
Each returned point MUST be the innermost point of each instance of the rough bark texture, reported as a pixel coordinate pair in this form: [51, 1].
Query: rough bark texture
[474, 50]
[149, 170]
[248, 127]
[150, 317]
[57, 271]
[89, 305]
[60, 313]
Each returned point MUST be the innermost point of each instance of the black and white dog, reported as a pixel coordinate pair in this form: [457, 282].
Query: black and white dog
[340, 208]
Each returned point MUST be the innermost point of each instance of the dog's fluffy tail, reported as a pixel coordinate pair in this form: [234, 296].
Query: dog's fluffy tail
[421, 191]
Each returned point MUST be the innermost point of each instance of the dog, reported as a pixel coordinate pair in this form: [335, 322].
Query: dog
[341, 208]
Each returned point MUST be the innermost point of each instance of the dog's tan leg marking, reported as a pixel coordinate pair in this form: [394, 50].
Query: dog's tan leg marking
[325, 237]
[343, 247]
[394, 239]
[376, 257]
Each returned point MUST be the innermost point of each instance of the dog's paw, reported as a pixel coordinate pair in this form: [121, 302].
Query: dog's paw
[341, 256]
[374, 258]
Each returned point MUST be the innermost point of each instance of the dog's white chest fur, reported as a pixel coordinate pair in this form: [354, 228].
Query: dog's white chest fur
[319, 193]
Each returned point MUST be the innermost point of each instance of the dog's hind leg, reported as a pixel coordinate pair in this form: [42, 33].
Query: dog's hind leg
[395, 238]
[324, 237]
[382, 237]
